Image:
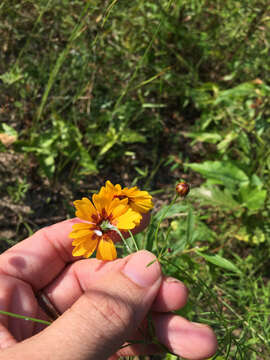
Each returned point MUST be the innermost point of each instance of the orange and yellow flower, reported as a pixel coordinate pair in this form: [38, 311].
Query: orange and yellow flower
[103, 217]
[139, 201]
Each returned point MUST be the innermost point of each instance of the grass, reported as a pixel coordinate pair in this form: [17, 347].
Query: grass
[148, 92]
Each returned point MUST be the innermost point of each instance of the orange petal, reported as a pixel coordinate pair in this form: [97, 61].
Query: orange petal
[78, 240]
[82, 225]
[85, 249]
[101, 201]
[85, 209]
[128, 220]
[106, 250]
[80, 233]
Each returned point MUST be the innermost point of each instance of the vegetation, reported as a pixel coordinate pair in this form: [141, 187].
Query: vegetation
[147, 93]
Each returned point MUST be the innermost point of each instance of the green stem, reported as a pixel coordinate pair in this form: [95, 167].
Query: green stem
[123, 239]
[163, 217]
[27, 318]
[134, 241]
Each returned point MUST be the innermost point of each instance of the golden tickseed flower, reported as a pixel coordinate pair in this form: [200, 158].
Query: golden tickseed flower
[182, 189]
[139, 201]
[103, 217]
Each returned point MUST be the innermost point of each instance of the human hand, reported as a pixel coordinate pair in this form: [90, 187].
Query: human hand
[103, 304]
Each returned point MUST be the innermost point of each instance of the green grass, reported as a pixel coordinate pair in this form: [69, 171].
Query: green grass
[148, 92]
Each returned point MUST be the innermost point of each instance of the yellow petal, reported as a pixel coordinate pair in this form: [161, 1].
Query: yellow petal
[101, 201]
[78, 240]
[85, 209]
[85, 249]
[142, 206]
[81, 226]
[128, 220]
[140, 201]
[118, 208]
[106, 250]
[115, 189]
[80, 233]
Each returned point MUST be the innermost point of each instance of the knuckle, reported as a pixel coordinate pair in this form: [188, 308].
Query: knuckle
[111, 310]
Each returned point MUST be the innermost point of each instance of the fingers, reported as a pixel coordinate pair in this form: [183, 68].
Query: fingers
[15, 297]
[41, 257]
[186, 339]
[6, 339]
[190, 340]
[83, 275]
[104, 317]
[172, 295]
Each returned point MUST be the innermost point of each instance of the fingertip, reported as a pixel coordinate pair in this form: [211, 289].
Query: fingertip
[190, 340]
[172, 295]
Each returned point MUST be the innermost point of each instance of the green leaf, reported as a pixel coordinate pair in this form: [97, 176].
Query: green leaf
[238, 92]
[212, 138]
[223, 145]
[12, 76]
[167, 212]
[9, 130]
[131, 136]
[221, 172]
[253, 198]
[87, 163]
[216, 197]
[219, 261]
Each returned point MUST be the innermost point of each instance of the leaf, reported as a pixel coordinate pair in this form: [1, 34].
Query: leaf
[221, 172]
[9, 130]
[131, 136]
[12, 76]
[87, 163]
[219, 261]
[223, 145]
[212, 138]
[253, 198]
[237, 92]
[216, 197]
[167, 211]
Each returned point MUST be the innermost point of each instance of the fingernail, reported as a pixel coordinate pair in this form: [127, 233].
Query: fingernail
[199, 325]
[173, 280]
[143, 268]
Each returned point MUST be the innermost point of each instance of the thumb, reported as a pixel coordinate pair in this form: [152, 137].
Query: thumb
[107, 315]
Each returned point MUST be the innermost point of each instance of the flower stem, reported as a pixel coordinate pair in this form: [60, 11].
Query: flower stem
[134, 241]
[122, 238]
[24, 317]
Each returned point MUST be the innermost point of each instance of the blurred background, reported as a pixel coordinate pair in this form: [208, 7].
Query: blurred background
[147, 93]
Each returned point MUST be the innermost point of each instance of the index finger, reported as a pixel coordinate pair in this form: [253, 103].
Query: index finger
[41, 257]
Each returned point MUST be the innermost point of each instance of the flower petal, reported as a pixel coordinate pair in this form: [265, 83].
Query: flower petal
[106, 249]
[82, 225]
[80, 233]
[128, 220]
[140, 201]
[101, 201]
[86, 248]
[85, 209]
[115, 189]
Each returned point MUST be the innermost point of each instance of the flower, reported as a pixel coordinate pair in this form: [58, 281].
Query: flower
[103, 217]
[182, 189]
[139, 201]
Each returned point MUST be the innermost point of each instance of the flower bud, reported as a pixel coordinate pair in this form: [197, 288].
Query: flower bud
[182, 189]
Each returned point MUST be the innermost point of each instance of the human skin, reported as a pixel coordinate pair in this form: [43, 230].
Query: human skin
[103, 304]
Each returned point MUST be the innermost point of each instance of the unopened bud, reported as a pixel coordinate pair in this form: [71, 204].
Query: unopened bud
[182, 189]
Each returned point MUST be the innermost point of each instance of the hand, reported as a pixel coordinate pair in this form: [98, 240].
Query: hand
[103, 304]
